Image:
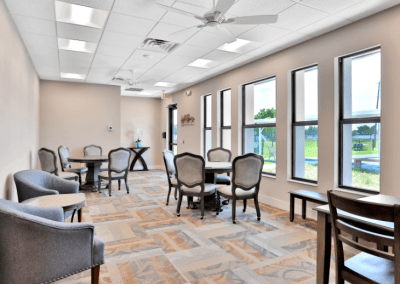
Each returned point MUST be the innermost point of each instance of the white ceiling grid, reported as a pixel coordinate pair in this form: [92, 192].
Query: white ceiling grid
[131, 22]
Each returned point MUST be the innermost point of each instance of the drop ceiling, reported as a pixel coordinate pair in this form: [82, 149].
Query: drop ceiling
[109, 45]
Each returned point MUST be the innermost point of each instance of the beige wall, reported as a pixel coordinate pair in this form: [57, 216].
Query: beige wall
[76, 114]
[19, 106]
[142, 113]
[376, 30]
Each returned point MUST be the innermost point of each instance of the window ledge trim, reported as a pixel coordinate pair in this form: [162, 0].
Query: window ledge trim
[302, 182]
[269, 176]
[355, 192]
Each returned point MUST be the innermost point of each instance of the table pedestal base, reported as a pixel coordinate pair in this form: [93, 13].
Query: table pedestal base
[92, 176]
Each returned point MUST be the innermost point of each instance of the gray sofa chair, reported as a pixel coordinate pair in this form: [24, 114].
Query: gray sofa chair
[38, 247]
[35, 183]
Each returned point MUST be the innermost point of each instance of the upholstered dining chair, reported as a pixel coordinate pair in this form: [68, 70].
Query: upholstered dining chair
[371, 265]
[170, 169]
[38, 247]
[35, 183]
[190, 174]
[94, 150]
[48, 162]
[66, 166]
[220, 155]
[118, 168]
[246, 178]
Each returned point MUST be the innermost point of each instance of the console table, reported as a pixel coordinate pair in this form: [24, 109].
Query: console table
[138, 156]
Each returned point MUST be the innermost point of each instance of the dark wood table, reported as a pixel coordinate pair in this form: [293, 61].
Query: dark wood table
[67, 201]
[324, 231]
[93, 164]
[138, 156]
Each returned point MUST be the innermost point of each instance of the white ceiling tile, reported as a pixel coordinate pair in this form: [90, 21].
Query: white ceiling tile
[39, 40]
[331, 6]
[208, 40]
[192, 70]
[181, 20]
[102, 4]
[100, 75]
[259, 7]
[74, 69]
[78, 32]
[146, 9]
[42, 51]
[139, 66]
[47, 70]
[298, 16]
[325, 25]
[220, 56]
[263, 50]
[264, 33]
[111, 62]
[129, 25]
[165, 32]
[41, 9]
[112, 50]
[178, 77]
[154, 56]
[237, 30]
[176, 60]
[249, 46]
[207, 4]
[366, 8]
[35, 26]
[191, 51]
[73, 63]
[42, 60]
[290, 40]
[119, 39]
[72, 56]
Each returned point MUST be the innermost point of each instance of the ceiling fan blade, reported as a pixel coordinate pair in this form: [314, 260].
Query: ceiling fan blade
[227, 34]
[223, 6]
[185, 13]
[187, 30]
[253, 20]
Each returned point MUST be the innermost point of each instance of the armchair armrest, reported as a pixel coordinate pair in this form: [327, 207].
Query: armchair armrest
[30, 190]
[62, 186]
[51, 213]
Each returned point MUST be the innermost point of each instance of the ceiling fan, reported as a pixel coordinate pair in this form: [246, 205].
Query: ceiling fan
[216, 18]
[129, 81]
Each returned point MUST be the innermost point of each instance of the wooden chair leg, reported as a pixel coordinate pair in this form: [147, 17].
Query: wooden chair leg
[126, 184]
[119, 184]
[176, 191]
[291, 208]
[169, 192]
[234, 210]
[304, 209]
[79, 178]
[109, 186]
[99, 185]
[218, 203]
[96, 275]
[189, 200]
[80, 215]
[244, 205]
[257, 207]
[202, 207]
[178, 208]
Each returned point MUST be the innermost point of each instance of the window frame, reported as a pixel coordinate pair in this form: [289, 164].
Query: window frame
[171, 143]
[244, 126]
[222, 116]
[300, 123]
[205, 124]
[343, 121]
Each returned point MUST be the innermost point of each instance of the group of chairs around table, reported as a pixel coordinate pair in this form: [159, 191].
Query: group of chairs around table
[186, 174]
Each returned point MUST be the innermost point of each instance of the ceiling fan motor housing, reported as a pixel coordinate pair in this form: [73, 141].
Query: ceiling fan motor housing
[214, 19]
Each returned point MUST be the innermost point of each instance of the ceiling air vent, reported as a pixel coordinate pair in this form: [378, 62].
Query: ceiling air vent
[133, 89]
[158, 45]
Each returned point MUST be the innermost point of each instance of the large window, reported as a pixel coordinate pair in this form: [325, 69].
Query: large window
[305, 124]
[173, 128]
[360, 112]
[226, 119]
[207, 124]
[259, 121]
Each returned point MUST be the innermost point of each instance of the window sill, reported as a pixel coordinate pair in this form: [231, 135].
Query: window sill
[355, 192]
[303, 182]
[268, 176]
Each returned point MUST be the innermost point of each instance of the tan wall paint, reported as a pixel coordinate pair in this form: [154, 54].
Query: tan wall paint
[76, 114]
[142, 113]
[379, 29]
[19, 106]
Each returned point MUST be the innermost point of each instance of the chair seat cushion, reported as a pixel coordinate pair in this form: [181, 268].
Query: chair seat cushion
[208, 187]
[227, 190]
[223, 179]
[76, 170]
[103, 169]
[98, 251]
[113, 174]
[67, 175]
[375, 268]
[174, 181]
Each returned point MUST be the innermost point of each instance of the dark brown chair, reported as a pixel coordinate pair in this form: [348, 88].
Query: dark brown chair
[246, 178]
[118, 168]
[190, 173]
[66, 166]
[170, 169]
[48, 163]
[94, 150]
[371, 265]
[220, 155]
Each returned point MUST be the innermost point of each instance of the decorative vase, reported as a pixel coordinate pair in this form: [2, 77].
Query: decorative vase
[138, 144]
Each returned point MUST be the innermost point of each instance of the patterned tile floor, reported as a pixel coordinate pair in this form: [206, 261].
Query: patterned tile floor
[147, 243]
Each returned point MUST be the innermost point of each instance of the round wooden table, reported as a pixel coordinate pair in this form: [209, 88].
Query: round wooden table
[93, 164]
[67, 201]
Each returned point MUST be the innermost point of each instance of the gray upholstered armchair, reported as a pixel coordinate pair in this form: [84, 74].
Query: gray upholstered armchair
[34, 183]
[38, 247]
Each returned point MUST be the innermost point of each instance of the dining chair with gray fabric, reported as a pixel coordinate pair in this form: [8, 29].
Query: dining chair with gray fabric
[38, 247]
[66, 166]
[246, 179]
[35, 183]
[118, 168]
[371, 265]
[190, 174]
[48, 163]
[171, 172]
[220, 155]
[94, 150]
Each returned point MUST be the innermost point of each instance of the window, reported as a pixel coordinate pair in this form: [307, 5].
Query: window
[207, 124]
[305, 124]
[359, 121]
[259, 121]
[226, 119]
[173, 128]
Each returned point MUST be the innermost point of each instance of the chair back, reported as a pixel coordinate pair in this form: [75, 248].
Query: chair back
[48, 160]
[92, 150]
[246, 171]
[219, 155]
[118, 160]
[169, 162]
[64, 154]
[357, 228]
[190, 169]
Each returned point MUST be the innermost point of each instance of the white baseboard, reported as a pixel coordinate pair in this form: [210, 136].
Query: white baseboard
[286, 205]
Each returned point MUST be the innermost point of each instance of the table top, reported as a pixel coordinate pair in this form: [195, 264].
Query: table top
[88, 159]
[66, 201]
[139, 148]
[218, 166]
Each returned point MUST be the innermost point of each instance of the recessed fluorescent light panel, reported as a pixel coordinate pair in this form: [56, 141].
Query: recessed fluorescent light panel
[73, 76]
[76, 45]
[202, 63]
[238, 46]
[164, 84]
[80, 15]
